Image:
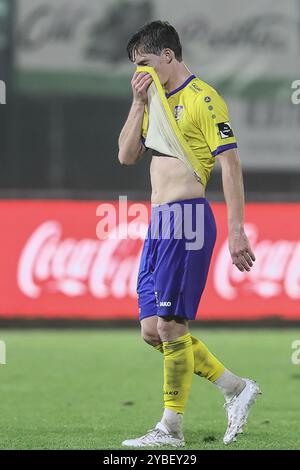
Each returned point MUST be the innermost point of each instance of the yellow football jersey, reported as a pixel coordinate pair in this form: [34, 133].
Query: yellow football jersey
[202, 117]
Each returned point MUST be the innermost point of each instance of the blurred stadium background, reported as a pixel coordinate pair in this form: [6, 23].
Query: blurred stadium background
[67, 95]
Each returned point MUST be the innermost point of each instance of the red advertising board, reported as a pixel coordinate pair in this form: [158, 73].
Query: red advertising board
[55, 265]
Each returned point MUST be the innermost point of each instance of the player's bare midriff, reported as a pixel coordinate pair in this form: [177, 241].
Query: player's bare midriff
[171, 181]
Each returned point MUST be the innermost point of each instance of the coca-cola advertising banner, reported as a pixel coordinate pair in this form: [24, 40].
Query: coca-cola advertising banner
[79, 260]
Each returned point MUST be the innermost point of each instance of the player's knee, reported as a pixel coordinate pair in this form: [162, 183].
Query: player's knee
[165, 328]
[150, 337]
[170, 328]
[149, 331]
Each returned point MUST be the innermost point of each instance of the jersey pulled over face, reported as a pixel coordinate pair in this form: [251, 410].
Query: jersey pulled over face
[202, 117]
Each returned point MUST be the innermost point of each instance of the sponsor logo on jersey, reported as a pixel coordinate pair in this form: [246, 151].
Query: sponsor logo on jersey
[225, 130]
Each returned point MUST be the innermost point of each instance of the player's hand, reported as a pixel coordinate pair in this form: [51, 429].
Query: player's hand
[240, 250]
[140, 83]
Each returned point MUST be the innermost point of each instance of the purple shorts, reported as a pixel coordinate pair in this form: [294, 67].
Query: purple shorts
[175, 259]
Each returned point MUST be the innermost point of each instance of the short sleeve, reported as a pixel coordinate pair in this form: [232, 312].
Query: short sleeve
[212, 118]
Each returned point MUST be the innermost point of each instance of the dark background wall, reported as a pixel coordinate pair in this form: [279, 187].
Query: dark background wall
[55, 142]
[71, 144]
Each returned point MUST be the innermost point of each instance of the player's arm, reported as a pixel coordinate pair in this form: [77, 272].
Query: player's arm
[239, 246]
[130, 146]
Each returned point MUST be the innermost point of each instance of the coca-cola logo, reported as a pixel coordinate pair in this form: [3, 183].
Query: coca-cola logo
[102, 268]
[50, 263]
[276, 270]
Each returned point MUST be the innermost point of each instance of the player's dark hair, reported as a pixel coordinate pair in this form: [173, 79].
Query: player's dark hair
[152, 38]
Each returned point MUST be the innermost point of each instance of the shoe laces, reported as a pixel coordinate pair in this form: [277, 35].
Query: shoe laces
[152, 434]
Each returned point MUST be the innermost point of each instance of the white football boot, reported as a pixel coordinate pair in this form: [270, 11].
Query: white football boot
[159, 436]
[238, 408]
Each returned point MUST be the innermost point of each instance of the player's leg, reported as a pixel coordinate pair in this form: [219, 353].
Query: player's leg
[176, 342]
[205, 363]
[172, 333]
[208, 366]
[178, 370]
[239, 393]
[147, 302]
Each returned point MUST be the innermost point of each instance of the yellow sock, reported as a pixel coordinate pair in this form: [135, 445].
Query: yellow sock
[205, 363]
[178, 372]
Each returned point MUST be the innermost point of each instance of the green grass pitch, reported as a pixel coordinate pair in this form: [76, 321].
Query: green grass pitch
[90, 389]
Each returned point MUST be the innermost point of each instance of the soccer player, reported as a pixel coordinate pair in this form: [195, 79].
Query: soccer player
[172, 277]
